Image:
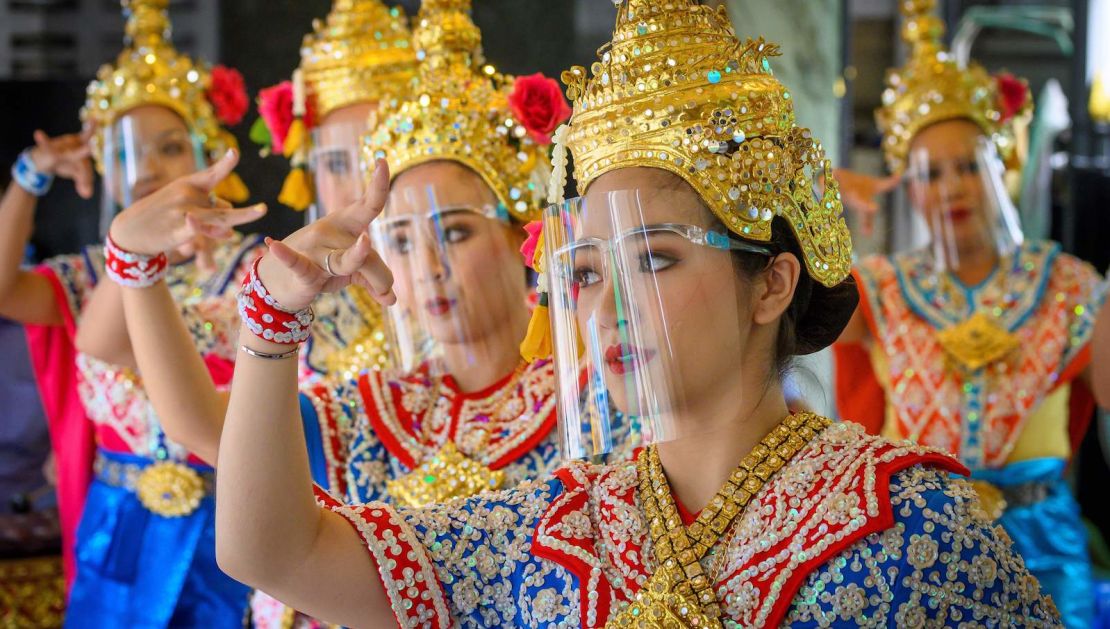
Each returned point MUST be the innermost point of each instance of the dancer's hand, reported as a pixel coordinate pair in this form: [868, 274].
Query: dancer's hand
[66, 156]
[297, 269]
[183, 214]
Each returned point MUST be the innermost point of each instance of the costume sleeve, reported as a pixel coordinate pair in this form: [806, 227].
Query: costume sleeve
[958, 566]
[465, 562]
[1083, 291]
[939, 565]
[859, 395]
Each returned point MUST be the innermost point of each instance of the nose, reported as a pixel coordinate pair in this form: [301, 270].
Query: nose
[434, 268]
[148, 168]
[605, 310]
[953, 182]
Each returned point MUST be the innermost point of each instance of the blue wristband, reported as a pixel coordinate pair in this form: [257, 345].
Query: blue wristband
[28, 177]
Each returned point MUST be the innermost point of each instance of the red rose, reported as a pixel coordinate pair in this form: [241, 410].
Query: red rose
[228, 95]
[1013, 94]
[275, 105]
[537, 103]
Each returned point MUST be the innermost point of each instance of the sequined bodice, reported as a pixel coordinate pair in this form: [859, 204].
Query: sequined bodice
[1046, 299]
[853, 530]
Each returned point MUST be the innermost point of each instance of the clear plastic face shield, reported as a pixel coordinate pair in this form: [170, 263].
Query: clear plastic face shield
[458, 276]
[646, 309]
[144, 150]
[338, 173]
[960, 203]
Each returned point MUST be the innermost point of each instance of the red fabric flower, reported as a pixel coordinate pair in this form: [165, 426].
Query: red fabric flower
[275, 105]
[537, 103]
[528, 249]
[228, 95]
[1013, 93]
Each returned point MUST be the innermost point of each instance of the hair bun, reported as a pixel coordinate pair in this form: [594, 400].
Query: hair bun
[826, 315]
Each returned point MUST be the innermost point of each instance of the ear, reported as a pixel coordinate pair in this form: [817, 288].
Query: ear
[773, 294]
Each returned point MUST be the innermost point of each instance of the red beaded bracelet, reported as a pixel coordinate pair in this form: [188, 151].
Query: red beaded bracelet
[265, 318]
[134, 270]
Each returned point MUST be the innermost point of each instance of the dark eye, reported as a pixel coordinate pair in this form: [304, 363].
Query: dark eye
[173, 149]
[934, 173]
[655, 261]
[969, 167]
[455, 234]
[400, 243]
[584, 276]
[337, 164]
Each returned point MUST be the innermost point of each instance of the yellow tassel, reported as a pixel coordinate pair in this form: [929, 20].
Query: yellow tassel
[294, 140]
[537, 343]
[232, 189]
[295, 192]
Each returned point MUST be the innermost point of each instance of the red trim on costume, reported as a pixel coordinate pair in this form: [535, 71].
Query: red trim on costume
[573, 498]
[402, 419]
[1074, 368]
[335, 452]
[385, 435]
[530, 443]
[873, 525]
[388, 524]
[580, 556]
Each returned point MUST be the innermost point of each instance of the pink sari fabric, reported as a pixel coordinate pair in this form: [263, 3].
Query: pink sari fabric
[53, 355]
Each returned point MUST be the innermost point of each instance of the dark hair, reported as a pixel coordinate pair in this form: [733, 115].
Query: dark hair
[816, 315]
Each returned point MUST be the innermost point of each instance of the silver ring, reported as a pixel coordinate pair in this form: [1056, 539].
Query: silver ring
[327, 263]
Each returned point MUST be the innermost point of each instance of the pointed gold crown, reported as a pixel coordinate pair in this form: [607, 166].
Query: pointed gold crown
[932, 87]
[361, 53]
[676, 90]
[458, 110]
[150, 71]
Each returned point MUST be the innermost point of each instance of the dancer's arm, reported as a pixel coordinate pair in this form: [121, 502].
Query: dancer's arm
[270, 533]
[25, 296]
[190, 408]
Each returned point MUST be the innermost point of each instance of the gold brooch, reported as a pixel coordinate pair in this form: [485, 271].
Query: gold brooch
[977, 342]
[170, 489]
[660, 604]
[449, 474]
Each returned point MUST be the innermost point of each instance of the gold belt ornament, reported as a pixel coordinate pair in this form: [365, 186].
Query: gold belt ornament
[170, 489]
[449, 474]
[166, 488]
[977, 342]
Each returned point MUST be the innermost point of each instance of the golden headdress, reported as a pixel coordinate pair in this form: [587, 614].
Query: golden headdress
[150, 71]
[459, 110]
[933, 87]
[676, 90]
[361, 53]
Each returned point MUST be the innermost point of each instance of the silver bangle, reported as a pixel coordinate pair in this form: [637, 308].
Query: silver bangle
[266, 356]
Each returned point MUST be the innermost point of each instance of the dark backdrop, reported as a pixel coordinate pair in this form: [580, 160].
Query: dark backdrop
[262, 39]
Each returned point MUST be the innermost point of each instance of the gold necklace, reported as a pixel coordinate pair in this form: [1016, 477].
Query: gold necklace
[449, 473]
[679, 593]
